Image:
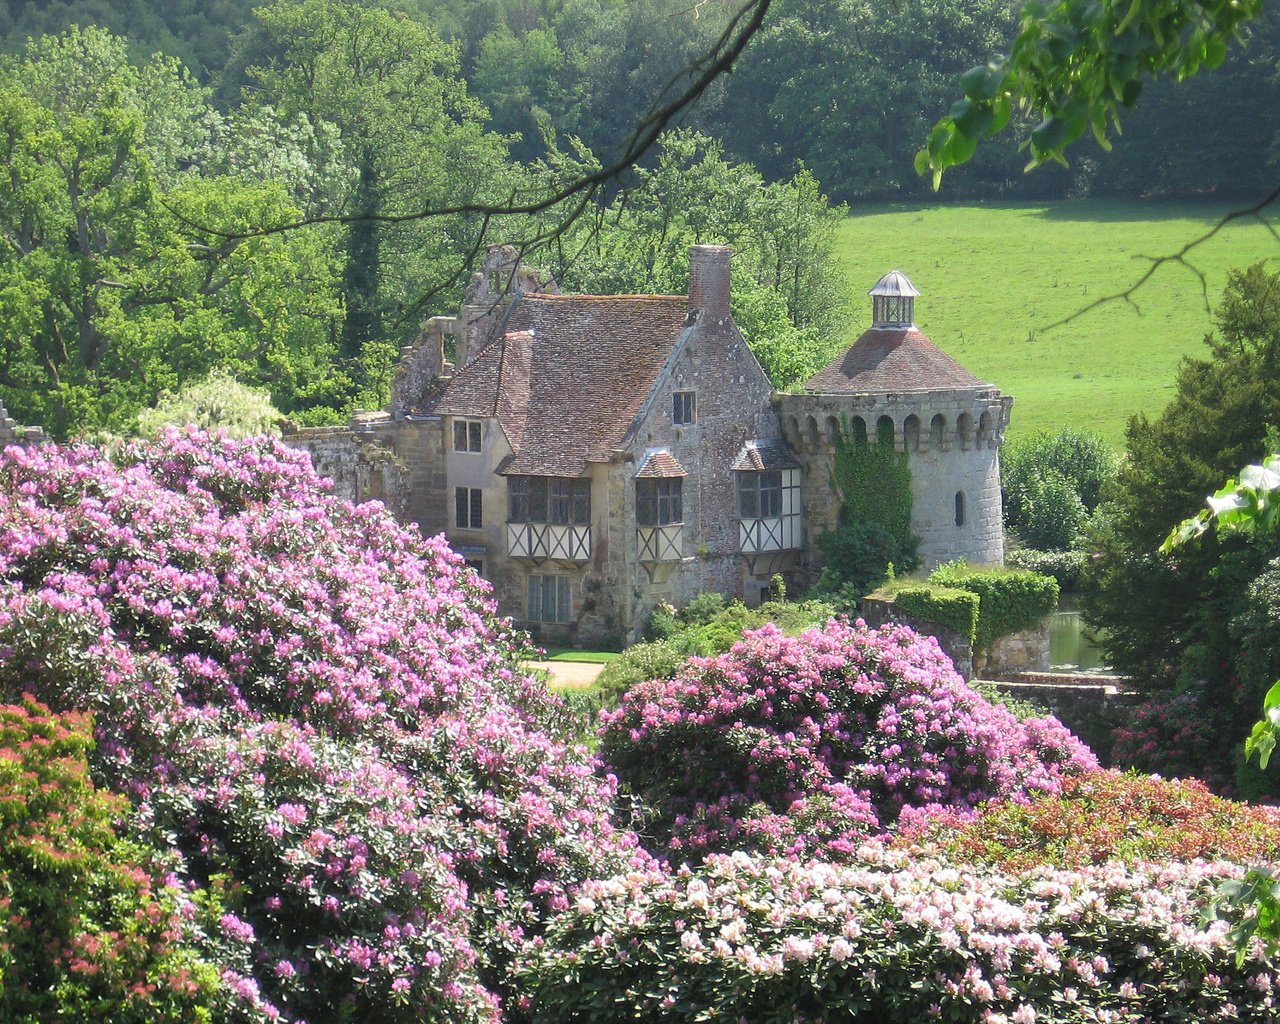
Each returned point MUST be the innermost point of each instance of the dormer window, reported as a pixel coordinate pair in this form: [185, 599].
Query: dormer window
[684, 408]
[467, 436]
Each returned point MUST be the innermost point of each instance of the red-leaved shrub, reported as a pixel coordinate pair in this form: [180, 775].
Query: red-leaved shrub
[1177, 737]
[1102, 816]
[86, 933]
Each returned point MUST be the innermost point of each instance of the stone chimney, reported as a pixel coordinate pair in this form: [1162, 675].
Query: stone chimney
[709, 280]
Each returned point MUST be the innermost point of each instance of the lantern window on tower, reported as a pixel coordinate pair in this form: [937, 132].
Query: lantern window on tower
[893, 301]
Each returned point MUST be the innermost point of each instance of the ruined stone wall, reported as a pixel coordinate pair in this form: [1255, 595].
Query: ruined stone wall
[952, 441]
[11, 432]
[1024, 651]
[361, 462]
[422, 365]
[955, 645]
[419, 444]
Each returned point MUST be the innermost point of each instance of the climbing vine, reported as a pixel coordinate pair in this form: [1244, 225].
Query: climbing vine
[874, 483]
[874, 534]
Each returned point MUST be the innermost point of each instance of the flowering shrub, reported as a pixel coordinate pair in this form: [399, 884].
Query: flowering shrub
[804, 745]
[1106, 815]
[85, 933]
[896, 940]
[1177, 737]
[314, 709]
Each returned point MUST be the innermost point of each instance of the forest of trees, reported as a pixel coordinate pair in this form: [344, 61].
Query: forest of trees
[133, 262]
[847, 88]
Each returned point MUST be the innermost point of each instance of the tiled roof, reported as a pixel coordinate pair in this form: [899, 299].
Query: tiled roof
[569, 376]
[660, 464]
[762, 455]
[891, 360]
[473, 391]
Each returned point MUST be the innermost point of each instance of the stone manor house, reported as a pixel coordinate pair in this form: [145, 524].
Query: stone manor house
[595, 455]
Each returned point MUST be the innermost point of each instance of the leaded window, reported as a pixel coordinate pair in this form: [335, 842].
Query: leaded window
[660, 501]
[466, 436]
[468, 508]
[548, 499]
[549, 599]
[684, 408]
[760, 494]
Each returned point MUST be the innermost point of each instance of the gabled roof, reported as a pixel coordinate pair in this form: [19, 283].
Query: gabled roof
[755, 456]
[569, 376]
[660, 464]
[891, 360]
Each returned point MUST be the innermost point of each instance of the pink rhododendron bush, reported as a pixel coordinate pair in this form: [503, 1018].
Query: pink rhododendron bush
[312, 711]
[804, 746]
[897, 940]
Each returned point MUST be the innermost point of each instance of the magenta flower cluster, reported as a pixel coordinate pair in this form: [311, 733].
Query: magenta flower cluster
[803, 746]
[896, 937]
[313, 710]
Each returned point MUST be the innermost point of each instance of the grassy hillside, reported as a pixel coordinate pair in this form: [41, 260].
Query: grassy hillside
[994, 278]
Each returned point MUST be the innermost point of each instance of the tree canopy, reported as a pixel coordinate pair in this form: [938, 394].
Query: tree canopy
[1174, 623]
[848, 88]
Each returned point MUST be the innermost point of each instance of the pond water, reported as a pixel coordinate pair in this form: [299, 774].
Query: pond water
[1070, 644]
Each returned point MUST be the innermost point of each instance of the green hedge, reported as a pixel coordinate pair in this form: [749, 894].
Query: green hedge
[947, 606]
[1063, 566]
[1009, 599]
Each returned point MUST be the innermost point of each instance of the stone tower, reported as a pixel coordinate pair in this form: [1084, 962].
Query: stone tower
[893, 382]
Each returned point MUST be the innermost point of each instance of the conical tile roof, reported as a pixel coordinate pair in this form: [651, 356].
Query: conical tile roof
[893, 360]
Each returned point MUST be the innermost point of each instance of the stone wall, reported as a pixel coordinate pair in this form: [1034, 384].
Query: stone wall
[955, 645]
[1025, 651]
[359, 459]
[952, 441]
[11, 432]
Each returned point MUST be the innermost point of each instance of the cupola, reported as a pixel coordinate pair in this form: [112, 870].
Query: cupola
[893, 301]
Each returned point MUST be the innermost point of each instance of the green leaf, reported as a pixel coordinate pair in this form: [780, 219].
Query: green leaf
[1261, 741]
[1049, 135]
[983, 82]
[1001, 111]
[1215, 51]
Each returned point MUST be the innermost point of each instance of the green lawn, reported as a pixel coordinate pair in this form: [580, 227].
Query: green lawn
[589, 657]
[994, 278]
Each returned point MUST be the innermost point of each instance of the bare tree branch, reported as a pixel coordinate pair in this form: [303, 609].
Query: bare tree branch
[718, 60]
[1254, 212]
